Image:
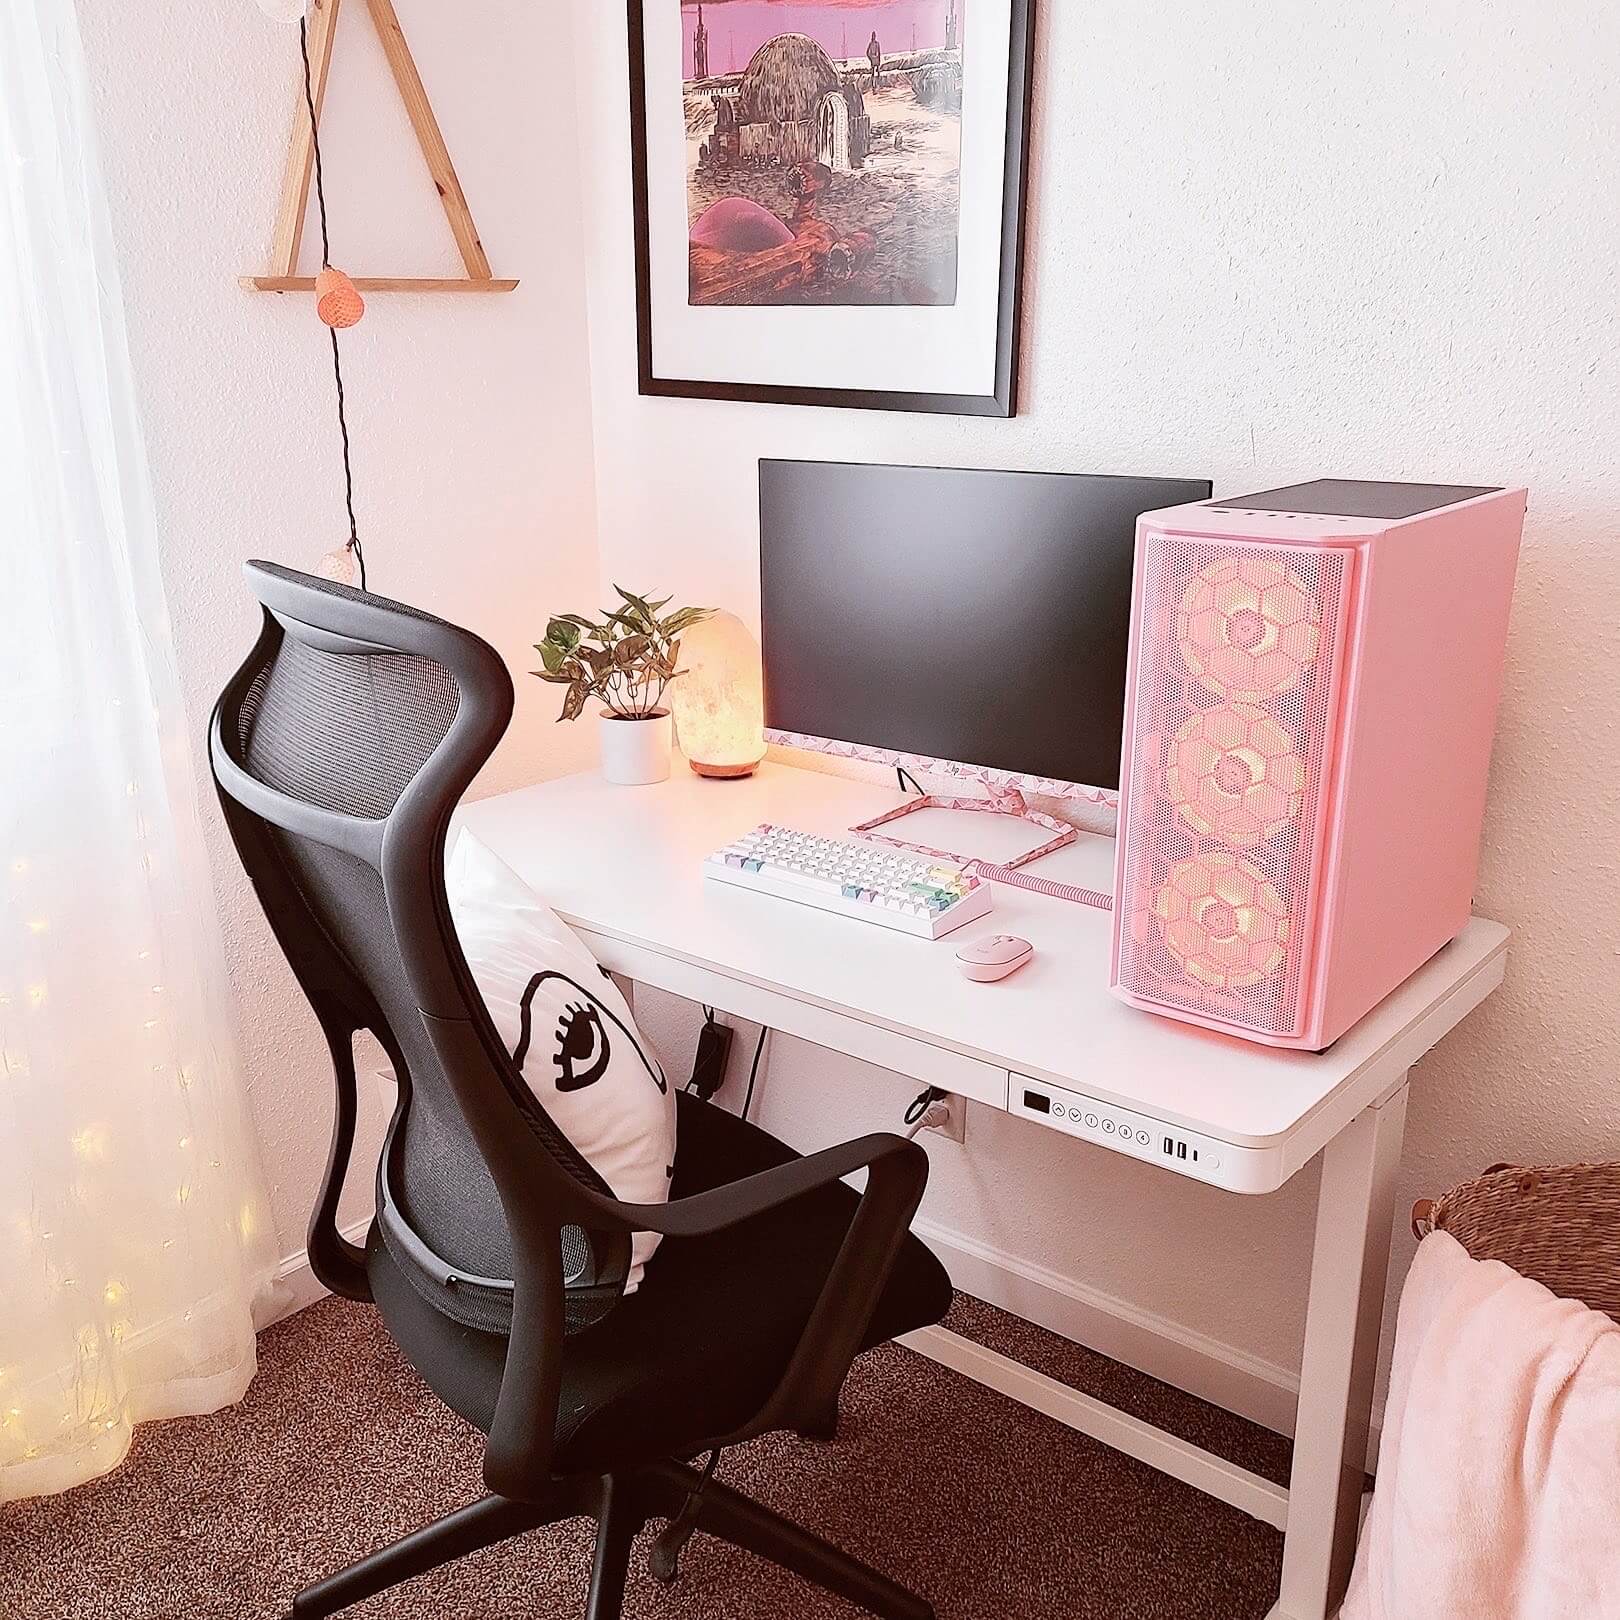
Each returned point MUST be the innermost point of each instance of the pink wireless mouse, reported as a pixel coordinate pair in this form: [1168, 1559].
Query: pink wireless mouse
[994, 958]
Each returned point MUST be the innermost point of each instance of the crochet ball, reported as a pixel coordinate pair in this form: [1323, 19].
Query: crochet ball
[337, 299]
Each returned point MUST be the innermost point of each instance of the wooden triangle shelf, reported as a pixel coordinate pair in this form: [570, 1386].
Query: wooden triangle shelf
[370, 284]
[289, 234]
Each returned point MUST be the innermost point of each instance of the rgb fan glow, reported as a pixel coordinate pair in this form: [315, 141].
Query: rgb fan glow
[1248, 628]
[1234, 773]
[1247, 632]
[1231, 710]
[1223, 921]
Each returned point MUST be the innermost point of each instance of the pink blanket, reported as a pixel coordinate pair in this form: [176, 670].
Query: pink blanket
[1499, 1469]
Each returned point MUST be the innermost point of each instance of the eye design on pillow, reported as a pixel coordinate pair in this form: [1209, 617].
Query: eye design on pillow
[583, 1049]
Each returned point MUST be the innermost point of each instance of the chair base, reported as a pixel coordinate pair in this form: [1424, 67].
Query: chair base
[622, 1504]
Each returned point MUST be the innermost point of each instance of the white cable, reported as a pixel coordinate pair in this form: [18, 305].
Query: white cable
[936, 1116]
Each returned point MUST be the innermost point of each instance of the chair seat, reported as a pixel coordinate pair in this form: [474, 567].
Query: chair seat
[697, 1349]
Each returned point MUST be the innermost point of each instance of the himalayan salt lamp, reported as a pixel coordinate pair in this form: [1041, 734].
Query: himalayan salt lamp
[337, 299]
[720, 702]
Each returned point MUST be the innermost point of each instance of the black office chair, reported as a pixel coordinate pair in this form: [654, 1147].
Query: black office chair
[497, 1256]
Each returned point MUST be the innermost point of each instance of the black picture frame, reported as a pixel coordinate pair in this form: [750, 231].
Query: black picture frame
[1002, 403]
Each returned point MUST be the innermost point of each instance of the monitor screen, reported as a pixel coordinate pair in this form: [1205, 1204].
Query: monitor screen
[980, 617]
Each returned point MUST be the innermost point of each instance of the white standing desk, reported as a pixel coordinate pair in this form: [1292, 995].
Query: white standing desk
[623, 865]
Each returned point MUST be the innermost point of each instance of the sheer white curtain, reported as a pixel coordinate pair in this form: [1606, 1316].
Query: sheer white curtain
[134, 1236]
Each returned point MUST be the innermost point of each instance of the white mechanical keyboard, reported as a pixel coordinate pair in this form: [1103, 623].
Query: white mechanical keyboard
[917, 894]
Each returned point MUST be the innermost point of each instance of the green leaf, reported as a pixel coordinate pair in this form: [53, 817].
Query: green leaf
[576, 619]
[561, 633]
[551, 655]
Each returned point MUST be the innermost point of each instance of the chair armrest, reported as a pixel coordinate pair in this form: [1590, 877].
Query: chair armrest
[520, 1436]
[742, 1200]
[842, 1315]
[807, 1397]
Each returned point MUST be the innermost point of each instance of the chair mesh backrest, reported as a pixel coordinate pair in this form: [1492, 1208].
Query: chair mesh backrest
[348, 732]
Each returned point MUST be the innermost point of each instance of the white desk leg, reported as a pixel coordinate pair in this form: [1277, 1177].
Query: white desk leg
[1354, 1225]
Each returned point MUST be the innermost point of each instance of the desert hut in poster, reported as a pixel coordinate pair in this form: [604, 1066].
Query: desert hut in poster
[824, 144]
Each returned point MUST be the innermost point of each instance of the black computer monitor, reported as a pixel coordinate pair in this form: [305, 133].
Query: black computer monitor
[976, 617]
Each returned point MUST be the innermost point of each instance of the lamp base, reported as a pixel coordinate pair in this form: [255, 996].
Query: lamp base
[723, 773]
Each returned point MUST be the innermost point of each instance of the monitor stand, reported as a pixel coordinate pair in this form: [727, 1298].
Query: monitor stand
[1001, 801]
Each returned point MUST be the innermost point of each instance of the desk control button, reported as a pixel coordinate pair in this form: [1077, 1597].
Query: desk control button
[1144, 1138]
[1091, 1120]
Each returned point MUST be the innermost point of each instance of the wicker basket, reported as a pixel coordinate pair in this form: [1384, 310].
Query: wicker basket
[1560, 1226]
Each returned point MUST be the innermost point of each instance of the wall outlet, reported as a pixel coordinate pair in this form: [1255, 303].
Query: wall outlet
[956, 1126]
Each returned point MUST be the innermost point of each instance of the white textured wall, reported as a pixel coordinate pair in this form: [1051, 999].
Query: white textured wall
[470, 419]
[1266, 243]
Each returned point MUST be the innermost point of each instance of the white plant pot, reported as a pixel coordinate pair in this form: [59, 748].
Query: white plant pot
[635, 752]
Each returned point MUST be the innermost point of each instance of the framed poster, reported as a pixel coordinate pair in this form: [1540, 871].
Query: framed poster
[829, 200]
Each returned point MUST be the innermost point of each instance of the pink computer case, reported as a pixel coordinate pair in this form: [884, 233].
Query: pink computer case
[1314, 675]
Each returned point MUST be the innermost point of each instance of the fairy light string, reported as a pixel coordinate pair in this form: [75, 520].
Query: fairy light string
[353, 542]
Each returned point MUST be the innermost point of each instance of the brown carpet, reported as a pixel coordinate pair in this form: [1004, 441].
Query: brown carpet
[990, 1510]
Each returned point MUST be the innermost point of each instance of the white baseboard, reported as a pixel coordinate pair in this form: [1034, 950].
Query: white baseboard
[1261, 1391]
[296, 1286]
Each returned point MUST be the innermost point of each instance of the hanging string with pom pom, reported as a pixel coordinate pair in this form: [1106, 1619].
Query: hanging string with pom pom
[339, 304]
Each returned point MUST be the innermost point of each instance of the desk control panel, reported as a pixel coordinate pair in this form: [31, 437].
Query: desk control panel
[1204, 1158]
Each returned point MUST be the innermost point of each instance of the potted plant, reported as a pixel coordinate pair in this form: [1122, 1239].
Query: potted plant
[625, 661]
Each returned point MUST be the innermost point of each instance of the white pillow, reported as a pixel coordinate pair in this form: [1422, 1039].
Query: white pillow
[569, 1030]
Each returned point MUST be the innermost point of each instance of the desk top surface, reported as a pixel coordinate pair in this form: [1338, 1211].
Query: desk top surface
[626, 864]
